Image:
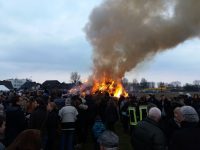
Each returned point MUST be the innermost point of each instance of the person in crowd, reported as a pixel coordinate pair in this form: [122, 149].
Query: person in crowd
[111, 114]
[97, 129]
[68, 115]
[124, 114]
[23, 102]
[108, 140]
[147, 134]
[196, 103]
[133, 102]
[104, 98]
[187, 99]
[188, 137]
[30, 107]
[29, 139]
[2, 113]
[81, 122]
[38, 120]
[164, 105]
[143, 100]
[15, 120]
[2, 131]
[121, 103]
[172, 124]
[2, 109]
[58, 99]
[152, 99]
[52, 125]
[91, 111]
[38, 116]
[149, 106]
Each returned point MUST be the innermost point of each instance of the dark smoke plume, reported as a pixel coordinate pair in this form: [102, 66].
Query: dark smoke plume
[124, 33]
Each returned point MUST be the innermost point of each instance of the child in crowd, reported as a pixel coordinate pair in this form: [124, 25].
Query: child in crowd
[97, 129]
[2, 130]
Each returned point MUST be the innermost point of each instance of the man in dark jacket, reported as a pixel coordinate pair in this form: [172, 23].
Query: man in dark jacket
[39, 117]
[147, 135]
[52, 125]
[15, 120]
[111, 115]
[38, 120]
[188, 137]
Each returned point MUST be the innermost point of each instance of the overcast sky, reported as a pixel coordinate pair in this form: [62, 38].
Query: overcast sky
[44, 39]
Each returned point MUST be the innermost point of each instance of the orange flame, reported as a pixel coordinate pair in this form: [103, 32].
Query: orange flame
[114, 88]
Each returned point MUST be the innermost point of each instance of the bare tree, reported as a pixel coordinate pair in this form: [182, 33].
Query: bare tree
[161, 84]
[75, 77]
[196, 82]
[176, 84]
[135, 81]
[143, 83]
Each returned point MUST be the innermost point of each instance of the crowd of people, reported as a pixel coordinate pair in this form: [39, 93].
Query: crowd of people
[52, 120]
[61, 121]
[170, 123]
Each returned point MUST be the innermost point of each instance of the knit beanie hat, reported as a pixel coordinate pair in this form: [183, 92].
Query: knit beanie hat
[108, 139]
[189, 114]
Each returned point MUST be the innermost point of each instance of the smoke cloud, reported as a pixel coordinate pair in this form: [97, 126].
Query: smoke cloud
[124, 33]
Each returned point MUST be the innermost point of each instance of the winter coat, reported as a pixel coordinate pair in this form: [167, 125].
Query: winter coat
[148, 136]
[165, 107]
[38, 119]
[53, 120]
[52, 126]
[169, 127]
[98, 128]
[68, 115]
[15, 122]
[186, 138]
[196, 105]
[111, 113]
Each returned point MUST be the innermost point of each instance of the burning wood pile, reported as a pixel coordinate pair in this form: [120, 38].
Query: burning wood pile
[113, 87]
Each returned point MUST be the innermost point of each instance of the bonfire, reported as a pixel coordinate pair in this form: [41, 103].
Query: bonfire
[113, 87]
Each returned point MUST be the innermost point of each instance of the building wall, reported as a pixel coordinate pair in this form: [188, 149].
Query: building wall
[151, 84]
[17, 83]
